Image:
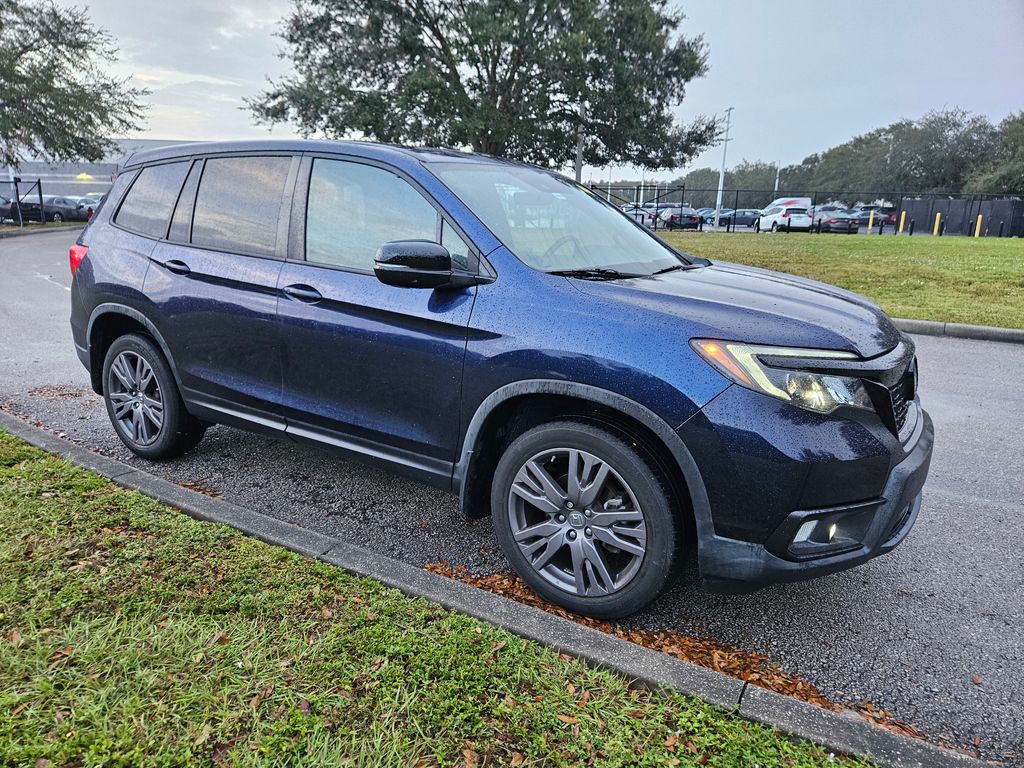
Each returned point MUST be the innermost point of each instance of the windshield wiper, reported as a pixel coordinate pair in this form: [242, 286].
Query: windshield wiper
[594, 273]
[674, 267]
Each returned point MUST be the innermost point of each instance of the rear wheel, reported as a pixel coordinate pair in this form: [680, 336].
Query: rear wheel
[584, 519]
[143, 401]
[775, 226]
[57, 218]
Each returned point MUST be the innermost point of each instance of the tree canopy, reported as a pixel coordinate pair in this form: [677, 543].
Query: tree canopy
[946, 152]
[504, 77]
[54, 102]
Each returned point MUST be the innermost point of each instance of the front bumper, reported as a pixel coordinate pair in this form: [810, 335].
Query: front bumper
[732, 565]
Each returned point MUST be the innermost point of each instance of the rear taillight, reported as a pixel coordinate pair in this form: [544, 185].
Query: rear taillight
[785, 215]
[77, 256]
[833, 221]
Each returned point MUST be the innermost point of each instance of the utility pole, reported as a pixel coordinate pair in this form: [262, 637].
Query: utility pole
[579, 146]
[778, 170]
[721, 173]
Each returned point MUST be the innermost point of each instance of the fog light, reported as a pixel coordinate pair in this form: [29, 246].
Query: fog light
[832, 531]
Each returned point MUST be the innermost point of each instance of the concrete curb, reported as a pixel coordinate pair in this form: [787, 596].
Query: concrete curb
[845, 733]
[961, 330]
[40, 231]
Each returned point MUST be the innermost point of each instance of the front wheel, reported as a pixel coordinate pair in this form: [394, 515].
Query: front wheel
[584, 519]
[57, 218]
[143, 401]
[775, 226]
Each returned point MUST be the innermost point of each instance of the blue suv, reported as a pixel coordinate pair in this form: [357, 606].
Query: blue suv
[497, 330]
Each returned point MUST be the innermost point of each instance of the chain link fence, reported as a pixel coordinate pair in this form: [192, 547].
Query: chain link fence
[1001, 216]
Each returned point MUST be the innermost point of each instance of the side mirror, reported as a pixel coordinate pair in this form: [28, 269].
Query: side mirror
[413, 264]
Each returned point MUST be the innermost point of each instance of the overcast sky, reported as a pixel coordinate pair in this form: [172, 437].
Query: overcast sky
[802, 77]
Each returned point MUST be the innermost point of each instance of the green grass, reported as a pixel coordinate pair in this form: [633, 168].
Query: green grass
[951, 279]
[131, 635]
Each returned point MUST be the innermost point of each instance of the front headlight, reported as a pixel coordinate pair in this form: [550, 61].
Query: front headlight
[816, 392]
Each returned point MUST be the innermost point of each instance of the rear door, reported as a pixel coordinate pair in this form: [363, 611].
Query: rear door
[214, 281]
[367, 366]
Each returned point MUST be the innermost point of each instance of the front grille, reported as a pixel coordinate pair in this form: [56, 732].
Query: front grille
[902, 393]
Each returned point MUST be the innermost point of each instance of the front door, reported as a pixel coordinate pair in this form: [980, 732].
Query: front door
[367, 366]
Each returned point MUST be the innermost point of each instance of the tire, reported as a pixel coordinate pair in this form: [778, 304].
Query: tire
[57, 218]
[150, 419]
[775, 226]
[606, 569]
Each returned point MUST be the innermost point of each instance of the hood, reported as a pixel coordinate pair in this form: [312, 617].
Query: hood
[738, 303]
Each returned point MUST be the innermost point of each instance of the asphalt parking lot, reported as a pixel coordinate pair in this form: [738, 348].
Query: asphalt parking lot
[933, 632]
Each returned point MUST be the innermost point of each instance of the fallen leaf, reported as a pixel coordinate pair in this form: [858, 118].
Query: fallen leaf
[260, 697]
[326, 612]
[976, 679]
[221, 638]
[636, 713]
[471, 757]
[582, 702]
[977, 741]
[671, 742]
[15, 638]
[568, 719]
[498, 646]
[517, 759]
[304, 707]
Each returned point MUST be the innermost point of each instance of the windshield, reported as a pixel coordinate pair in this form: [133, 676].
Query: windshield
[551, 224]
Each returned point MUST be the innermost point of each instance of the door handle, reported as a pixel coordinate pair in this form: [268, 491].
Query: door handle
[177, 267]
[304, 293]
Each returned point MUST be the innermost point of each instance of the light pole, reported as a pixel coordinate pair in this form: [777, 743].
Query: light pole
[721, 172]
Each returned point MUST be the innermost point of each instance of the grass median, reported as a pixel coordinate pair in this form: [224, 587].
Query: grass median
[132, 635]
[950, 279]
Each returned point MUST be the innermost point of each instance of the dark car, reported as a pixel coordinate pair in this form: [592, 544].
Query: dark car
[679, 217]
[745, 217]
[607, 400]
[839, 221]
[724, 216]
[54, 208]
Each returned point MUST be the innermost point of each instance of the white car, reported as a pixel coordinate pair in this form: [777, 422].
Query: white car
[784, 217]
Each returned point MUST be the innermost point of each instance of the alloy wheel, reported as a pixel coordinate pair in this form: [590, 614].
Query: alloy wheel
[135, 395]
[577, 522]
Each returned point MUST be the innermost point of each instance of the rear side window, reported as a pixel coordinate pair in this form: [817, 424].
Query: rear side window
[355, 208]
[147, 207]
[238, 207]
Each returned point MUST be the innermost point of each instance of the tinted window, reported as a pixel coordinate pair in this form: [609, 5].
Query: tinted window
[147, 208]
[354, 209]
[798, 211]
[239, 204]
[181, 224]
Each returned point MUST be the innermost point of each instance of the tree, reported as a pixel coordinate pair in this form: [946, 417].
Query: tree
[53, 103]
[507, 78]
[1005, 175]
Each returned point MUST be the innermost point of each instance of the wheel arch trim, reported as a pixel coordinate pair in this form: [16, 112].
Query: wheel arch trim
[662, 430]
[113, 308]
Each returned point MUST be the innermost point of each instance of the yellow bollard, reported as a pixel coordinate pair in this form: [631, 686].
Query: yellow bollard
[903, 220]
[871, 220]
[935, 230]
[977, 227]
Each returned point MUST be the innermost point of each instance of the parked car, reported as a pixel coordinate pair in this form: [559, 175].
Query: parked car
[724, 216]
[784, 218]
[680, 217]
[826, 211]
[5, 208]
[606, 399]
[839, 221]
[54, 208]
[745, 217]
